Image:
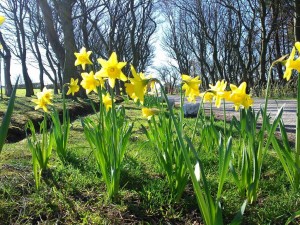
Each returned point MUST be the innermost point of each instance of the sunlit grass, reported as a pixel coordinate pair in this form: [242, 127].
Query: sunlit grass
[75, 193]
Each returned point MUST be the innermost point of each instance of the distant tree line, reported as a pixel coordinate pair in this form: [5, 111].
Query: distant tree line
[230, 39]
[216, 39]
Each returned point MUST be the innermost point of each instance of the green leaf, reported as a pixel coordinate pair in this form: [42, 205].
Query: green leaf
[7, 116]
[294, 216]
[271, 131]
[239, 216]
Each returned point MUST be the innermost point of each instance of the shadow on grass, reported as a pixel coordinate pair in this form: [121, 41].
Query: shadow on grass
[133, 174]
[51, 181]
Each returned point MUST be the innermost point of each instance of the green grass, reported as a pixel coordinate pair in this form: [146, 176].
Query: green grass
[75, 193]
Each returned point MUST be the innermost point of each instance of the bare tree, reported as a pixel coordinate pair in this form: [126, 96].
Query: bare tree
[229, 39]
[169, 76]
[16, 11]
[6, 55]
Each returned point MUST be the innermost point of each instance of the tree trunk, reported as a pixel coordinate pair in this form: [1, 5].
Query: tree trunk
[278, 55]
[7, 59]
[7, 80]
[65, 13]
[27, 80]
[51, 32]
[263, 45]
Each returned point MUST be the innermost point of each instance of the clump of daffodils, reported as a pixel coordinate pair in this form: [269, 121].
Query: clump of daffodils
[217, 92]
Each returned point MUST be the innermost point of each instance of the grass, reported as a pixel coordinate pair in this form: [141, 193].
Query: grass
[75, 194]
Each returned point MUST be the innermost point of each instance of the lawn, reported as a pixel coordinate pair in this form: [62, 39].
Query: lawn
[74, 192]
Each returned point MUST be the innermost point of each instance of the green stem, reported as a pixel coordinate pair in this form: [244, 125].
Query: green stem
[197, 119]
[297, 156]
[115, 158]
[224, 112]
[211, 113]
[181, 107]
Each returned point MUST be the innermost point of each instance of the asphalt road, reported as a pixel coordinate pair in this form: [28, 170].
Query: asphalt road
[288, 116]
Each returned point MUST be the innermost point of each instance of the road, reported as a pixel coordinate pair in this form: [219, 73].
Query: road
[288, 116]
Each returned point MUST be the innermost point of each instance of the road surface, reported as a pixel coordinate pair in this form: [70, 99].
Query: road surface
[288, 116]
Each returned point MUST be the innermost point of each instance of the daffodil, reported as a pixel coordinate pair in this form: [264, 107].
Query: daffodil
[112, 69]
[292, 63]
[207, 96]
[43, 99]
[73, 87]
[137, 87]
[46, 94]
[219, 92]
[83, 58]
[149, 112]
[239, 97]
[107, 101]
[191, 87]
[2, 19]
[89, 82]
[40, 103]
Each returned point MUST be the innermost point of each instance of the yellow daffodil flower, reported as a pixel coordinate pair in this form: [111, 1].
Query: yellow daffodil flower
[83, 58]
[46, 94]
[138, 86]
[89, 82]
[2, 19]
[107, 101]
[112, 69]
[149, 112]
[292, 64]
[219, 92]
[73, 87]
[239, 97]
[41, 103]
[207, 96]
[43, 99]
[191, 87]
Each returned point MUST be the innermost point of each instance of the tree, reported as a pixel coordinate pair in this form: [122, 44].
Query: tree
[229, 39]
[16, 11]
[169, 76]
[64, 49]
[6, 55]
